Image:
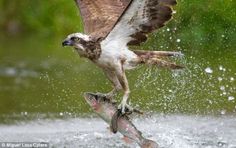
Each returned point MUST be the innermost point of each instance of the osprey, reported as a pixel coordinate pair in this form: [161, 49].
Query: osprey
[110, 26]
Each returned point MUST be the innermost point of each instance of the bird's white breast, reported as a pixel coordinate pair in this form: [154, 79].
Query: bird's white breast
[114, 53]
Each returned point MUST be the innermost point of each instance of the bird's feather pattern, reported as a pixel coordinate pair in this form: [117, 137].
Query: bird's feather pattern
[139, 19]
[100, 16]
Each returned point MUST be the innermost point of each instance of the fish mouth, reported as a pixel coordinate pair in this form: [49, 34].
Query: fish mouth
[91, 99]
[89, 96]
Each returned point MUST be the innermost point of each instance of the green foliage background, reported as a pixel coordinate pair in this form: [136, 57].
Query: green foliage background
[48, 18]
[37, 75]
[199, 20]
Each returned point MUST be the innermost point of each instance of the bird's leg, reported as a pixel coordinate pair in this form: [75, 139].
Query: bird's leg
[125, 86]
[115, 82]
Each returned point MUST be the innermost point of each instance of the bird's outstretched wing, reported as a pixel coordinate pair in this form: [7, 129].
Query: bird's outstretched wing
[100, 16]
[140, 18]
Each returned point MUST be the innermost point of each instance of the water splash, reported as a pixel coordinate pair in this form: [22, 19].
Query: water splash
[197, 131]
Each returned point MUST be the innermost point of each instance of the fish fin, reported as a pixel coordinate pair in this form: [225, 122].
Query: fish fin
[127, 140]
[109, 129]
[149, 144]
[114, 125]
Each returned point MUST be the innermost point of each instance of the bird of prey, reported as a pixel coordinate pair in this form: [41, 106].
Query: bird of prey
[110, 27]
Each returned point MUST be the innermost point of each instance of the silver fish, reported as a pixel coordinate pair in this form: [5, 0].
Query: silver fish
[106, 110]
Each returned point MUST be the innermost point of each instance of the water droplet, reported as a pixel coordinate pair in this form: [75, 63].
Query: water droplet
[221, 67]
[61, 114]
[220, 79]
[98, 135]
[178, 40]
[210, 102]
[230, 98]
[208, 70]
[222, 88]
[168, 29]
[221, 144]
[231, 79]
[11, 71]
[223, 112]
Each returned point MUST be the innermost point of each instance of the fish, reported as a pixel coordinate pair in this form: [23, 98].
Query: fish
[107, 109]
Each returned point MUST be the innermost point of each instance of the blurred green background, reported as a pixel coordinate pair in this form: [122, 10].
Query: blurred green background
[40, 78]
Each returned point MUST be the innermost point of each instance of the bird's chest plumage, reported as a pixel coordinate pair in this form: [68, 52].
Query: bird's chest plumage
[108, 59]
[114, 57]
[92, 51]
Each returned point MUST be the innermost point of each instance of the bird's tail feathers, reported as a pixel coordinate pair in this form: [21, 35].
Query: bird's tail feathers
[157, 54]
[155, 58]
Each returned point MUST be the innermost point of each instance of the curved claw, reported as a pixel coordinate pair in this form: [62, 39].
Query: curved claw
[128, 110]
[125, 108]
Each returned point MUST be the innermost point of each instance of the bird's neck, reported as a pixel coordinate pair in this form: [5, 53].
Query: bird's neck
[92, 51]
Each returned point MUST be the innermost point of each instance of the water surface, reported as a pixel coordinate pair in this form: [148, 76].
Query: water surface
[172, 131]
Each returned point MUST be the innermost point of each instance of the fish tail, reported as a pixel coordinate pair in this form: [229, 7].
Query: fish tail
[146, 143]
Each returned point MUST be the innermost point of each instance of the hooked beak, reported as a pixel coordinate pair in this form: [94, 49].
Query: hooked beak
[67, 43]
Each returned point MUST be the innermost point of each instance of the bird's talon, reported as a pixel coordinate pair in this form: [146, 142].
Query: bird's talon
[125, 108]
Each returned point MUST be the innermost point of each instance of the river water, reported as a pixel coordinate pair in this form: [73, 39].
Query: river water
[169, 131]
[41, 87]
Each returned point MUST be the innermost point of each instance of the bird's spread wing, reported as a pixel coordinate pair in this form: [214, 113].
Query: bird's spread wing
[100, 16]
[140, 18]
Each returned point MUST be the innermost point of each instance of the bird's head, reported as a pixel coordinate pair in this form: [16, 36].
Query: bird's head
[79, 41]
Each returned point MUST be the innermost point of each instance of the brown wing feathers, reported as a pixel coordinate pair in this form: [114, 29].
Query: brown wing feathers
[158, 12]
[100, 16]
